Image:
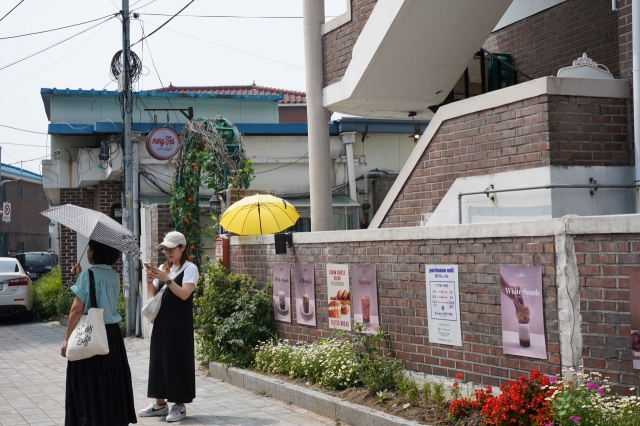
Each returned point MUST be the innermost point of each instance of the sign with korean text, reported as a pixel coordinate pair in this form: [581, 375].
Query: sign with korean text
[339, 296]
[163, 143]
[522, 316]
[443, 305]
[6, 212]
[365, 297]
[282, 292]
[305, 294]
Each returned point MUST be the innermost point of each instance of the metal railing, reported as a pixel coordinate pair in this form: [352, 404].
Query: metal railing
[594, 187]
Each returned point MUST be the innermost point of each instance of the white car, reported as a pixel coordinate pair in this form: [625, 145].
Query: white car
[16, 290]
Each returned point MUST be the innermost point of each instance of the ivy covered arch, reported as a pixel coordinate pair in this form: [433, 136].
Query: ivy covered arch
[211, 156]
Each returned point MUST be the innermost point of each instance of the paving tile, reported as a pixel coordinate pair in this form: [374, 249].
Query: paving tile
[32, 392]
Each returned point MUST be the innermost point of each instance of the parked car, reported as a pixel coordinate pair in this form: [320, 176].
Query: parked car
[37, 263]
[16, 289]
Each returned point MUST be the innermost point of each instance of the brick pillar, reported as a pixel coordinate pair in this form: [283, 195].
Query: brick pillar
[108, 193]
[68, 240]
[160, 224]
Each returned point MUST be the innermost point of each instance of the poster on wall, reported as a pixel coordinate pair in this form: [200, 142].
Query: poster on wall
[634, 299]
[522, 315]
[365, 297]
[339, 296]
[305, 294]
[443, 305]
[282, 292]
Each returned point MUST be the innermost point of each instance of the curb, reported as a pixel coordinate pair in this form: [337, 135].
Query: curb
[318, 402]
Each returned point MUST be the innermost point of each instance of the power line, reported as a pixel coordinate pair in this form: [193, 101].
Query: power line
[166, 22]
[26, 161]
[230, 16]
[14, 8]
[233, 48]
[55, 29]
[138, 8]
[23, 130]
[56, 44]
[21, 144]
[284, 165]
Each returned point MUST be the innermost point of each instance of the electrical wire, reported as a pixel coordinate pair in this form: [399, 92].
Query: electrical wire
[230, 16]
[14, 8]
[284, 165]
[23, 130]
[138, 8]
[55, 44]
[21, 144]
[135, 66]
[56, 29]
[165, 23]
[232, 48]
[26, 161]
[160, 79]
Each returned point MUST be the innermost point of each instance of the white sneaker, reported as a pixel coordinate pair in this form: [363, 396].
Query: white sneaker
[177, 413]
[154, 410]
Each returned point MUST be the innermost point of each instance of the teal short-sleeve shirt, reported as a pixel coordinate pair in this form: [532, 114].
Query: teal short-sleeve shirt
[107, 282]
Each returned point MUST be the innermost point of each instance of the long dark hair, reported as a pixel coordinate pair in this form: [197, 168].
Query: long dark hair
[185, 256]
[103, 254]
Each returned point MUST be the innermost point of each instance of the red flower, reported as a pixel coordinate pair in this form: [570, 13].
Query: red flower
[193, 247]
[456, 384]
[459, 376]
[191, 257]
[186, 220]
[190, 199]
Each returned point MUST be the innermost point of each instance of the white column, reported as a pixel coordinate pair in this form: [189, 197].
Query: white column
[348, 139]
[319, 156]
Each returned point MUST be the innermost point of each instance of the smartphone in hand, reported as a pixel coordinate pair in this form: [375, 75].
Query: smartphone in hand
[147, 265]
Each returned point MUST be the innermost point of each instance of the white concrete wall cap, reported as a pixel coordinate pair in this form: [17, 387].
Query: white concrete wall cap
[542, 86]
[536, 228]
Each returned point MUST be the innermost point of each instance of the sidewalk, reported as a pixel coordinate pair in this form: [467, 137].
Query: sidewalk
[32, 386]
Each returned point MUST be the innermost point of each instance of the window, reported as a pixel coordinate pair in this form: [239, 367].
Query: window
[20, 246]
[19, 193]
[9, 265]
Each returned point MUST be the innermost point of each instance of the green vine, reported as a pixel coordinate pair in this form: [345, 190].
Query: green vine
[211, 156]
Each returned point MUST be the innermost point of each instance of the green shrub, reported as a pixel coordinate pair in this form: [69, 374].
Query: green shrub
[232, 316]
[65, 300]
[47, 290]
[122, 310]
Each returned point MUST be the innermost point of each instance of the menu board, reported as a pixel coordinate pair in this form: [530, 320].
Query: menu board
[282, 292]
[305, 294]
[443, 305]
[339, 303]
[365, 297]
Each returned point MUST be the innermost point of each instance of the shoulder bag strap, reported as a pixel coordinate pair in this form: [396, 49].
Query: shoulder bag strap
[92, 291]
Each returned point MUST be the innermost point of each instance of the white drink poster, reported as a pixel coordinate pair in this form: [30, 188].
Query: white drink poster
[339, 306]
[282, 291]
[443, 305]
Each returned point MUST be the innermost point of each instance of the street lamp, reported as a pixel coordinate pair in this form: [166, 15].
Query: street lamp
[215, 205]
[10, 180]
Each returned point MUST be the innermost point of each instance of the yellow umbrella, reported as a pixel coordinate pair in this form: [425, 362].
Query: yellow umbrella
[259, 215]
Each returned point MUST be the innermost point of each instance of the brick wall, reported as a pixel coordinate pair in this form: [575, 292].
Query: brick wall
[292, 114]
[402, 298]
[603, 264]
[541, 131]
[624, 39]
[68, 239]
[338, 44]
[27, 225]
[543, 43]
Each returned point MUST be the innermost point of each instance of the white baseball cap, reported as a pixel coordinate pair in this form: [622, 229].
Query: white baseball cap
[173, 239]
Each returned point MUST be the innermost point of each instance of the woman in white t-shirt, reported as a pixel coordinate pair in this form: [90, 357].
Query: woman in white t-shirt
[172, 371]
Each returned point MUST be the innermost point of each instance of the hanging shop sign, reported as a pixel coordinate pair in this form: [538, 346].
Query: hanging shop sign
[305, 294]
[522, 314]
[6, 212]
[443, 305]
[634, 298]
[282, 292]
[163, 143]
[339, 305]
[365, 297]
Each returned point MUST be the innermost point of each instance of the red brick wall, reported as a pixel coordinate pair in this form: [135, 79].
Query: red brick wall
[68, 239]
[603, 264]
[106, 194]
[161, 223]
[536, 132]
[27, 224]
[543, 43]
[402, 298]
[338, 44]
[292, 114]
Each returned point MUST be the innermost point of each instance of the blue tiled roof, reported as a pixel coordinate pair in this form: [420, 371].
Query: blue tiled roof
[16, 171]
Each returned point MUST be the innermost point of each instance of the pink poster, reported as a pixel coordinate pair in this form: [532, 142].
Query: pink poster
[305, 294]
[365, 297]
[522, 315]
[634, 298]
[282, 292]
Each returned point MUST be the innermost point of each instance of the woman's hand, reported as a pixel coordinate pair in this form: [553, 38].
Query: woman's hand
[513, 292]
[160, 274]
[75, 270]
[63, 350]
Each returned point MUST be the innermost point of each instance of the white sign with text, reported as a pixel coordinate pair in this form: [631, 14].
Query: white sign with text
[443, 305]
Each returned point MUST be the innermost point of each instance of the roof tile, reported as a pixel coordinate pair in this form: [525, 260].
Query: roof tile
[289, 96]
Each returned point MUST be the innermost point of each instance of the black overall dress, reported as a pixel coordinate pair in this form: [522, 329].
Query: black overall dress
[172, 368]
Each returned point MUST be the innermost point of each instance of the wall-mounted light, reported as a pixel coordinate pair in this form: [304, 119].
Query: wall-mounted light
[215, 205]
[416, 128]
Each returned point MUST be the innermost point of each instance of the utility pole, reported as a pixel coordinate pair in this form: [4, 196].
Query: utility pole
[128, 270]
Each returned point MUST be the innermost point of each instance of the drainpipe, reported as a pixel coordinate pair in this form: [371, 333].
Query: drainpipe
[319, 153]
[348, 139]
[635, 31]
[366, 206]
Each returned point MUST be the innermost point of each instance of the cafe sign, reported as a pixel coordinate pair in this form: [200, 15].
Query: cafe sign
[163, 143]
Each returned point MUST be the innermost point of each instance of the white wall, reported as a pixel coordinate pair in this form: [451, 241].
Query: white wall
[521, 9]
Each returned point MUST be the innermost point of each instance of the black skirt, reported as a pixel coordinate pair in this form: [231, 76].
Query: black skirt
[172, 365]
[99, 390]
